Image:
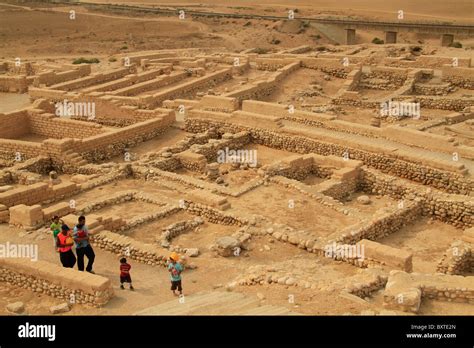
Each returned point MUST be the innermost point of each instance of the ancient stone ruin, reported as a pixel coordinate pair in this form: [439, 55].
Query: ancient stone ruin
[345, 175]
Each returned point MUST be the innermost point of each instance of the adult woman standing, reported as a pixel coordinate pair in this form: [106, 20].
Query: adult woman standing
[64, 244]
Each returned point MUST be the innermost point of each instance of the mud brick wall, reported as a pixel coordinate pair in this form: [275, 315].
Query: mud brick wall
[37, 193]
[441, 179]
[253, 91]
[218, 103]
[4, 214]
[156, 83]
[14, 124]
[376, 253]
[50, 77]
[94, 79]
[26, 149]
[109, 113]
[55, 127]
[184, 89]
[56, 281]
[106, 145]
[258, 90]
[13, 84]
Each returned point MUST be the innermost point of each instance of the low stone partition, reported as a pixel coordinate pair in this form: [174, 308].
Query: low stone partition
[214, 215]
[150, 254]
[365, 284]
[460, 76]
[404, 291]
[192, 161]
[207, 198]
[450, 208]
[177, 228]
[440, 102]
[331, 66]
[378, 254]
[442, 174]
[56, 281]
[162, 176]
[384, 222]
[312, 192]
[387, 77]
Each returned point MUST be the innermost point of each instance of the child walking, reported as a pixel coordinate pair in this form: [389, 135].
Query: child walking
[175, 269]
[125, 273]
[55, 227]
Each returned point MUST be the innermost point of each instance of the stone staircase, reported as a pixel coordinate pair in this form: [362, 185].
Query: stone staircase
[216, 303]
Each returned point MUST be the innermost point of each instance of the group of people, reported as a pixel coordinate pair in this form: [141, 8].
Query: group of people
[65, 239]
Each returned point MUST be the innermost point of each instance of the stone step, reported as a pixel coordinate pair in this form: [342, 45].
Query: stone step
[215, 303]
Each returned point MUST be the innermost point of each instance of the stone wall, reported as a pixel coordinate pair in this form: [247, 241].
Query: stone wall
[37, 193]
[449, 208]
[409, 167]
[383, 255]
[459, 258]
[384, 222]
[404, 291]
[56, 281]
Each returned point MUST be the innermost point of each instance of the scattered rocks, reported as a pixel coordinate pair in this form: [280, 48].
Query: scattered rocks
[16, 307]
[363, 200]
[61, 308]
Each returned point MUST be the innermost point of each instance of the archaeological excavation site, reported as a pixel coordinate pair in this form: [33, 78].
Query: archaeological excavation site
[291, 162]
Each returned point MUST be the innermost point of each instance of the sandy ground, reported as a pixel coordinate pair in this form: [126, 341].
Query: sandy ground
[49, 30]
[11, 102]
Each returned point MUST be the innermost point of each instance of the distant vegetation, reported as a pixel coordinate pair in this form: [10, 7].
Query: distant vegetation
[86, 61]
[112, 59]
[456, 44]
[377, 41]
[260, 50]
